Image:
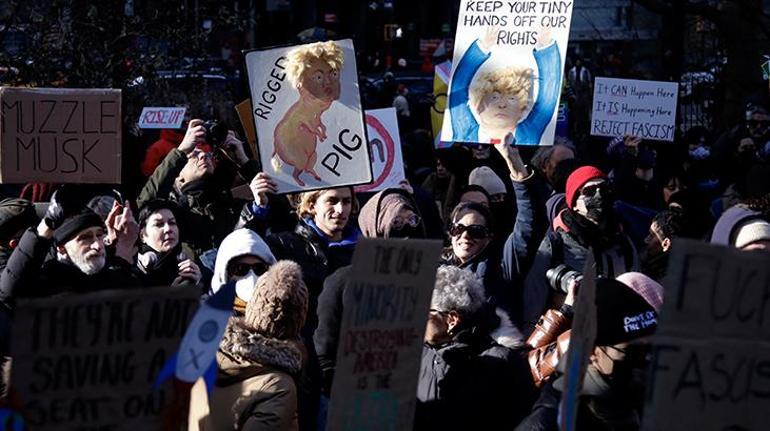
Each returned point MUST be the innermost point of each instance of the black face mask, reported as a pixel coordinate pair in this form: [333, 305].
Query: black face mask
[598, 206]
[407, 232]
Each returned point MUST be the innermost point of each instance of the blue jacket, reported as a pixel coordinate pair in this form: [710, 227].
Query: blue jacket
[465, 128]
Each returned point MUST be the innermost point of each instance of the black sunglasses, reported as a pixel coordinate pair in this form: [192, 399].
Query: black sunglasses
[475, 231]
[239, 269]
[591, 190]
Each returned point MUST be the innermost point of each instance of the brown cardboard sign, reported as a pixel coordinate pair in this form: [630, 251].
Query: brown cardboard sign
[60, 135]
[247, 121]
[710, 367]
[90, 361]
[386, 303]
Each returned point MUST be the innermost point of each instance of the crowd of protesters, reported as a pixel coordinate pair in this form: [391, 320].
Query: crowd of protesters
[518, 225]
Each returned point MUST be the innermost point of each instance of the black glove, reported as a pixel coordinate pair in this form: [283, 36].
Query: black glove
[54, 215]
[65, 202]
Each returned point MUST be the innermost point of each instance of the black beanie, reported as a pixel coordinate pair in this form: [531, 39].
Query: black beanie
[74, 224]
[622, 315]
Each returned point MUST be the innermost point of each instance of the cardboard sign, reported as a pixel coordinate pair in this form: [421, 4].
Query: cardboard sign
[507, 71]
[442, 72]
[711, 358]
[89, 361]
[161, 118]
[385, 148]
[645, 109]
[247, 121]
[307, 112]
[386, 303]
[581, 345]
[60, 135]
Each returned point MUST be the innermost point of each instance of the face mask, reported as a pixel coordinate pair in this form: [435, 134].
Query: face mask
[407, 232]
[597, 206]
[244, 286]
[700, 153]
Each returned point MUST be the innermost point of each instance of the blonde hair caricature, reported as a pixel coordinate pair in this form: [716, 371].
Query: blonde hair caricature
[308, 117]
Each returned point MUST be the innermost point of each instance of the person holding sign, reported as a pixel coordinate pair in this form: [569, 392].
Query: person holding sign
[485, 107]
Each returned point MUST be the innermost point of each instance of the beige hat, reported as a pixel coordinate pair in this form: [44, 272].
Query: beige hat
[751, 232]
[485, 177]
[278, 306]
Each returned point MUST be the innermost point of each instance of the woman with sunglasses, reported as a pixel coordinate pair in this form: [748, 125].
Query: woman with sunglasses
[162, 259]
[242, 257]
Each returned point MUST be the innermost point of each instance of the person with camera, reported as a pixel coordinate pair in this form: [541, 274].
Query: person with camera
[588, 224]
[162, 259]
[191, 177]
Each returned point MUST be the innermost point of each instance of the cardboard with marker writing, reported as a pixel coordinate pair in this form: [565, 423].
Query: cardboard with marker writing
[385, 149]
[386, 303]
[60, 135]
[507, 71]
[307, 113]
[89, 361]
[710, 365]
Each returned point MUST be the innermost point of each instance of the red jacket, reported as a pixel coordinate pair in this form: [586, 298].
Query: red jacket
[169, 139]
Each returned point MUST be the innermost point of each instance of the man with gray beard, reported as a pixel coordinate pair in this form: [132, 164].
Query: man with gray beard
[66, 252]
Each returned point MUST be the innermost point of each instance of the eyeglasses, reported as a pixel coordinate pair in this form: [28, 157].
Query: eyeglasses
[475, 231]
[240, 269]
[399, 222]
[198, 153]
[591, 190]
[755, 124]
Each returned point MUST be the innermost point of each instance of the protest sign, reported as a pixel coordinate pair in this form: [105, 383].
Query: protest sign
[386, 302]
[60, 135]
[645, 109]
[766, 70]
[161, 118]
[247, 121]
[385, 148]
[710, 366]
[581, 345]
[89, 361]
[440, 89]
[507, 71]
[307, 112]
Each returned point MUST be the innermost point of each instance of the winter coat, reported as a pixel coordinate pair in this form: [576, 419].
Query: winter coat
[255, 386]
[210, 210]
[472, 382]
[168, 140]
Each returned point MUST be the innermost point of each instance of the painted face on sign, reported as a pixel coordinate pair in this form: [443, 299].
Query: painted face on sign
[500, 110]
[321, 81]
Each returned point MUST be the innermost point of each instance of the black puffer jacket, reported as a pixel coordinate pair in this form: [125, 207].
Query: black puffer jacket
[473, 382]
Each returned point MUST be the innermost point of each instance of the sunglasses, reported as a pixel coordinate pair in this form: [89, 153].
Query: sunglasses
[591, 190]
[754, 124]
[198, 153]
[241, 269]
[399, 223]
[475, 231]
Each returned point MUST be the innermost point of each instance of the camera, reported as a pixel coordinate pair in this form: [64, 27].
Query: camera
[560, 277]
[216, 132]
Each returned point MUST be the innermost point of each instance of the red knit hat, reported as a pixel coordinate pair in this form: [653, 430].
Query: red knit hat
[579, 178]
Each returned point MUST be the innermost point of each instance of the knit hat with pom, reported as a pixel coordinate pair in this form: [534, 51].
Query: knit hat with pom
[278, 306]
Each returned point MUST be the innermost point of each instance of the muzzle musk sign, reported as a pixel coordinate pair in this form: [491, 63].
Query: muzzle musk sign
[89, 362]
[60, 135]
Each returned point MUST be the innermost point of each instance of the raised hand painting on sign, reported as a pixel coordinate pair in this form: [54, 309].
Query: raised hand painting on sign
[486, 106]
[315, 71]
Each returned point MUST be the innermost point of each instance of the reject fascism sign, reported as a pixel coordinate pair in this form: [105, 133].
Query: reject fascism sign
[385, 148]
[710, 366]
[307, 113]
[506, 71]
[90, 361]
[386, 303]
[161, 118]
[645, 109]
[60, 135]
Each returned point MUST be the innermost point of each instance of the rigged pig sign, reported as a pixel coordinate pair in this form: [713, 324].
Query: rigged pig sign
[60, 135]
[307, 112]
[385, 148]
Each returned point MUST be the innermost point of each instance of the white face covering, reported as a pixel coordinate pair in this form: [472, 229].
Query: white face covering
[244, 286]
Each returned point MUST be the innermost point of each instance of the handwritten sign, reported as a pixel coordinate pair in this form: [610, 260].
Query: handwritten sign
[308, 117]
[90, 361]
[711, 359]
[386, 303]
[60, 135]
[507, 69]
[645, 109]
[385, 148]
[161, 118]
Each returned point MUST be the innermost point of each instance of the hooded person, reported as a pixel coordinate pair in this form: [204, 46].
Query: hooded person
[742, 228]
[260, 359]
[588, 224]
[242, 257]
[390, 213]
[16, 215]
